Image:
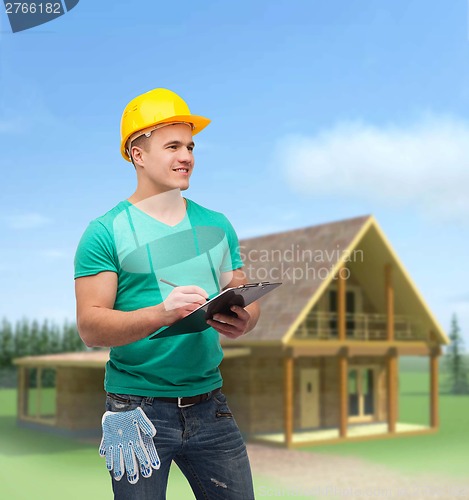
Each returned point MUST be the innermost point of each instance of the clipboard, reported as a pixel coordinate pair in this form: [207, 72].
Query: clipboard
[196, 321]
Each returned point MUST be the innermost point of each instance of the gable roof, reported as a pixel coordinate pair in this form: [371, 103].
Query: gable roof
[306, 261]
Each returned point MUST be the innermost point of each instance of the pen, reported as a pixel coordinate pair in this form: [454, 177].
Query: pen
[168, 282]
[172, 284]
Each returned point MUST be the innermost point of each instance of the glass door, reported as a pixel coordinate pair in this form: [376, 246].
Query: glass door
[361, 394]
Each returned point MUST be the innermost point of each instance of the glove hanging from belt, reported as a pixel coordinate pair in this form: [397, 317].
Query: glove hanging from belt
[128, 438]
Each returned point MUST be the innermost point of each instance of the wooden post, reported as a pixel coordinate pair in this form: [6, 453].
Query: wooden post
[434, 416]
[38, 391]
[389, 291]
[392, 390]
[341, 304]
[343, 392]
[288, 399]
[23, 391]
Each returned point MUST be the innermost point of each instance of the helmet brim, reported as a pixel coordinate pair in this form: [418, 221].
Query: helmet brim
[199, 123]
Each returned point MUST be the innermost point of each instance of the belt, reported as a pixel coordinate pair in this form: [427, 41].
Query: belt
[190, 400]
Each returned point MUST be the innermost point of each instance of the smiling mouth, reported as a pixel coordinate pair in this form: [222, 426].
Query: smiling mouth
[183, 170]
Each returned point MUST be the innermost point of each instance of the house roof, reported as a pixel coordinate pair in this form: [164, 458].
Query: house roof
[94, 359]
[306, 260]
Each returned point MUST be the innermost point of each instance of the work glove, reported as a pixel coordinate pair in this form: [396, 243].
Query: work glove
[128, 437]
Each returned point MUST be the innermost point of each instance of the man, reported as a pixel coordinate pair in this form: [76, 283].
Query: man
[145, 264]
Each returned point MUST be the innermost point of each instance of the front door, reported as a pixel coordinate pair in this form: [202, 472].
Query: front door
[361, 393]
[309, 391]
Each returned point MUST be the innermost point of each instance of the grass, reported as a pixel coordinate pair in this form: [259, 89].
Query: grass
[41, 466]
[46, 405]
[445, 452]
[46, 467]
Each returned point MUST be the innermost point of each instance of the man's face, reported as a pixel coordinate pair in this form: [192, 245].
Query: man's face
[168, 160]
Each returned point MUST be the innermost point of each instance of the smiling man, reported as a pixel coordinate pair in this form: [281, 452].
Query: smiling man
[164, 401]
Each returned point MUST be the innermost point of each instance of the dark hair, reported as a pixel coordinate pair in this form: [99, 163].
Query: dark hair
[141, 142]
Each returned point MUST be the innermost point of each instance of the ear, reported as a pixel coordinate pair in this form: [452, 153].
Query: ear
[137, 155]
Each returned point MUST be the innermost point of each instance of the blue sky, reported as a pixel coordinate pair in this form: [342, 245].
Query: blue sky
[377, 93]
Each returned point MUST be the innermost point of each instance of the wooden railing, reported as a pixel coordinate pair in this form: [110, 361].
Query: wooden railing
[359, 326]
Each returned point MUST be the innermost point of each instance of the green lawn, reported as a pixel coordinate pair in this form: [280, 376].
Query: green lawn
[446, 452]
[39, 466]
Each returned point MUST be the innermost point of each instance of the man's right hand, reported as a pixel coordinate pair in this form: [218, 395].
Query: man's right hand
[100, 325]
[183, 300]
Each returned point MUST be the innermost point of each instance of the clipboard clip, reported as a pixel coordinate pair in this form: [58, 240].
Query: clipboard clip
[246, 286]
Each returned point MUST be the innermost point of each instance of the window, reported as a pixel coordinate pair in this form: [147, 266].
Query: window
[37, 394]
[361, 393]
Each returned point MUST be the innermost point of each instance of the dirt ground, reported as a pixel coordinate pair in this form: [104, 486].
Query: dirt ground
[309, 475]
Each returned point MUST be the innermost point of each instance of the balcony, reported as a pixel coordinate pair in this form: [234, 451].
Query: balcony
[359, 326]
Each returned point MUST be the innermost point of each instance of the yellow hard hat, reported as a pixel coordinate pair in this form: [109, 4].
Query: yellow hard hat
[155, 107]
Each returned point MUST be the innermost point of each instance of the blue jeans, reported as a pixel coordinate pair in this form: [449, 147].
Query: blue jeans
[203, 440]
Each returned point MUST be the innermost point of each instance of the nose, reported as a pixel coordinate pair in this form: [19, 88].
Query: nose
[185, 155]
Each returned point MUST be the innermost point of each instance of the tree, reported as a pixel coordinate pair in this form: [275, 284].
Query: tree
[7, 344]
[22, 338]
[34, 337]
[71, 341]
[44, 339]
[55, 341]
[455, 362]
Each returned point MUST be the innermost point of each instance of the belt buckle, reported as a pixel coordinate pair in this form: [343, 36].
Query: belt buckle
[184, 406]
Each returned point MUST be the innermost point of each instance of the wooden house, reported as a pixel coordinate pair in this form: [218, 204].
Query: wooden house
[322, 363]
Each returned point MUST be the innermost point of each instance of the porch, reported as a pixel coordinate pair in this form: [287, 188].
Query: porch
[357, 432]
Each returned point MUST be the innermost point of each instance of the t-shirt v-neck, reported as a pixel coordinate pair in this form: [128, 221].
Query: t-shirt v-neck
[138, 211]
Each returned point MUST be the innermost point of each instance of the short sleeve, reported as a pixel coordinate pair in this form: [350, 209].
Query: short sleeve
[95, 252]
[232, 259]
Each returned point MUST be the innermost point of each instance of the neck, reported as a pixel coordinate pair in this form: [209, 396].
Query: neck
[168, 207]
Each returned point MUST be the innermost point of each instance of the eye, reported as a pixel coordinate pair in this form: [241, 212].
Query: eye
[191, 148]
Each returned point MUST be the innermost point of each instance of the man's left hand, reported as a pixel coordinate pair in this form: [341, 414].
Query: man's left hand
[231, 326]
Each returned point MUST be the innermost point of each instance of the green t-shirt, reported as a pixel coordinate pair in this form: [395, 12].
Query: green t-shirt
[142, 250]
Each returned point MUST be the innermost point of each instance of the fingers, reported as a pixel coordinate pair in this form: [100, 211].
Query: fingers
[229, 332]
[193, 289]
[109, 457]
[148, 431]
[117, 462]
[102, 447]
[130, 462]
[145, 424]
[127, 444]
[231, 326]
[151, 450]
[241, 318]
[185, 297]
[191, 298]
[143, 459]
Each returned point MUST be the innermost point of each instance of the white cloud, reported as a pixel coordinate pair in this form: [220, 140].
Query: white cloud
[26, 221]
[424, 165]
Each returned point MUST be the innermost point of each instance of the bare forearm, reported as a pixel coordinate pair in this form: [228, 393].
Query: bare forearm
[103, 327]
[254, 313]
